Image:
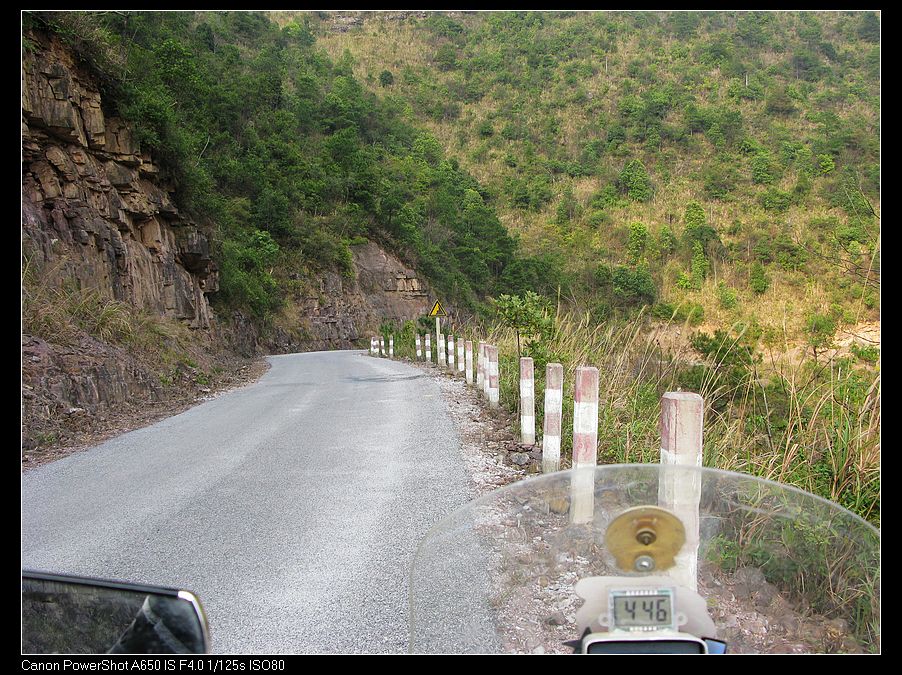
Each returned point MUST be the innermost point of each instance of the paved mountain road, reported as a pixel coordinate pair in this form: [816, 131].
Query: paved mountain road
[291, 507]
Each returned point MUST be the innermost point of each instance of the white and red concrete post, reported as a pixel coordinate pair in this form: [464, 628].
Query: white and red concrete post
[440, 349]
[527, 402]
[451, 352]
[480, 368]
[419, 347]
[428, 348]
[682, 425]
[585, 444]
[468, 358]
[551, 424]
[460, 355]
[492, 376]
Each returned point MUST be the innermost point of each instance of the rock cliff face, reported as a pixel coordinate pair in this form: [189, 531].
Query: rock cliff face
[96, 210]
[346, 311]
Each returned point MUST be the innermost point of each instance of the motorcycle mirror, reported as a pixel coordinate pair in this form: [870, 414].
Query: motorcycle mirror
[78, 615]
[715, 646]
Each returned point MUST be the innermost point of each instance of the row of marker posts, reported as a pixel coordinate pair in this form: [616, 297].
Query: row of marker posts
[681, 424]
[377, 346]
[458, 356]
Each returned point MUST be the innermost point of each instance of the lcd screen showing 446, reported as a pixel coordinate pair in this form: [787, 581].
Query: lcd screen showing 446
[642, 610]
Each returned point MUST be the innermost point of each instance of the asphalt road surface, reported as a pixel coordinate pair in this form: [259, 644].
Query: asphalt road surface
[291, 507]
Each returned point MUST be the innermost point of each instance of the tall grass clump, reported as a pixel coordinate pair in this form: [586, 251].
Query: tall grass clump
[59, 311]
[811, 424]
[814, 425]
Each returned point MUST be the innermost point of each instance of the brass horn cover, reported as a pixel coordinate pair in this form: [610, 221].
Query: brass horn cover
[645, 531]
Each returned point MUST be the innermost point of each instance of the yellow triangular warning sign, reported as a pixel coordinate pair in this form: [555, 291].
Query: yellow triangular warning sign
[437, 309]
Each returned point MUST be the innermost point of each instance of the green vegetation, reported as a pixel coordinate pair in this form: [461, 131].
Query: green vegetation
[507, 152]
[812, 424]
[286, 153]
[717, 170]
[725, 129]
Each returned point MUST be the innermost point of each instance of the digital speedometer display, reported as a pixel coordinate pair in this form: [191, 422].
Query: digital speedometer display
[642, 609]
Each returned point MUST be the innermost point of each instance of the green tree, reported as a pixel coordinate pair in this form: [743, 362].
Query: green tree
[763, 168]
[825, 164]
[759, 282]
[700, 265]
[697, 230]
[635, 182]
[869, 27]
[819, 329]
[633, 286]
[529, 315]
[638, 239]
[446, 57]
[779, 103]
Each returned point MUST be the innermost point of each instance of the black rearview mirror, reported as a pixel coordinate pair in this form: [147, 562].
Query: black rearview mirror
[76, 615]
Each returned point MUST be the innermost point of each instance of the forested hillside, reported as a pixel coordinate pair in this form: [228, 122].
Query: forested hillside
[723, 166]
[716, 171]
[716, 167]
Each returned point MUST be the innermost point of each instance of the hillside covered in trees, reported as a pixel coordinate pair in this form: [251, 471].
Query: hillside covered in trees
[288, 156]
[722, 166]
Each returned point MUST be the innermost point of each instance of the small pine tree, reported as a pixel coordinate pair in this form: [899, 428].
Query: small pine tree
[758, 279]
[634, 181]
[694, 218]
[762, 168]
[638, 238]
[726, 296]
[819, 329]
[700, 265]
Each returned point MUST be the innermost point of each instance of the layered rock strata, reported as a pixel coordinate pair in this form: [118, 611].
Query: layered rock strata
[97, 212]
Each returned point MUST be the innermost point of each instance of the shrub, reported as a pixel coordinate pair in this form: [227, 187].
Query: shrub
[727, 296]
[634, 181]
[758, 279]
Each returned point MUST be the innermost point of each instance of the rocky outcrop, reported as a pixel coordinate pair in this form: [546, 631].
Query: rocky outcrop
[346, 310]
[96, 211]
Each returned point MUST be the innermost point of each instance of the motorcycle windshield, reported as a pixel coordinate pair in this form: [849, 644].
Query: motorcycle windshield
[771, 569]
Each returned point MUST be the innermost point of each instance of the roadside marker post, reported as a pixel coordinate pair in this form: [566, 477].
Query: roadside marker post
[451, 353]
[492, 378]
[480, 368]
[527, 402]
[468, 349]
[551, 423]
[585, 444]
[428, 348]
[391, 346]
[440, 348]
[682, 425]
[460, 354]
[419, 348]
